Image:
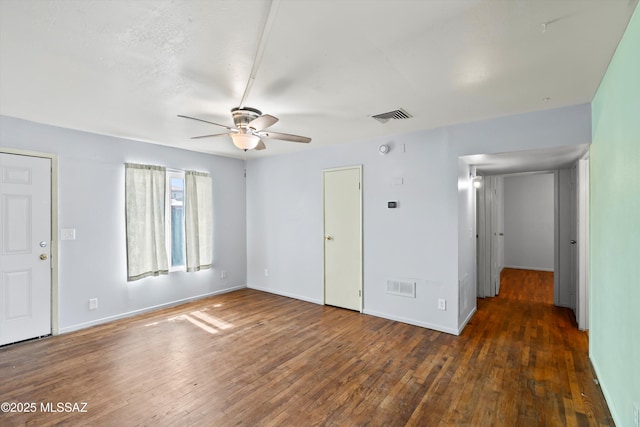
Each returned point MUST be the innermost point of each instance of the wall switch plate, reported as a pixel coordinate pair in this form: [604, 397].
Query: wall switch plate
[68, 234]
[93, 303]
[266, 272]
[223, 274]
[442, 304]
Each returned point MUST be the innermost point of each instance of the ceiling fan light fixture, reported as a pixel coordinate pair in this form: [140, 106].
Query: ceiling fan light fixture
[245, 141]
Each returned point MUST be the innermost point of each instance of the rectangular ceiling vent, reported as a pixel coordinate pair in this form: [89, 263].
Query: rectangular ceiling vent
[401, 287]
[399, 114]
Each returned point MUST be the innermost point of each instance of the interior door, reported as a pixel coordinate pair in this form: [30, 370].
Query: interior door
[497, 232]
[343, 237]
[25, 233]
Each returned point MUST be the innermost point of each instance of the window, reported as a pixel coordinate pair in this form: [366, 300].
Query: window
[175, 231]
[169, 220]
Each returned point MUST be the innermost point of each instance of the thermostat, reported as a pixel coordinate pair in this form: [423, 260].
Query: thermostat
[383, 149]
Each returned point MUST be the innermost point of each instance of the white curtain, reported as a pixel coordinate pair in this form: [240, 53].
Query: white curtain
[145, 215]
[198, 220]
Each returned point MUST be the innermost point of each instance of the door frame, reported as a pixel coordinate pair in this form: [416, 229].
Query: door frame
[490, 235]
[54, 227]
[582, 304]
[324, 282]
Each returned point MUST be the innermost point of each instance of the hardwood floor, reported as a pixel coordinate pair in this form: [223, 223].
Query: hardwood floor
[252, 358]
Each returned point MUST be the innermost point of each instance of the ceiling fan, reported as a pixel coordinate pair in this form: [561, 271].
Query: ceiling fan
[250, 125]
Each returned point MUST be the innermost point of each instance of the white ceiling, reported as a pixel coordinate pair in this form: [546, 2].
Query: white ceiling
[127, 68]
[527, 161]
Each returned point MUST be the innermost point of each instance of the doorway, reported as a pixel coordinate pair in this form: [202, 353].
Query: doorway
[26, 207]
[342, 206]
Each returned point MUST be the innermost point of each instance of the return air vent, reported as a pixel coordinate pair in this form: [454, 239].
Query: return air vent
[392, 115]
[401, 287]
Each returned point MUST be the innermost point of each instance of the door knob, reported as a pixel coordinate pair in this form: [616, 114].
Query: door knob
[573, 242]
[43, 256]
[328, 238]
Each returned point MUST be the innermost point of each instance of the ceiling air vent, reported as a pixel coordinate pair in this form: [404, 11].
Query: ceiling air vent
[399, 114]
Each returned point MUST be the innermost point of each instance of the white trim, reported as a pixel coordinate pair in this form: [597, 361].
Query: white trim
[467, 320]
[54, 228]
[427, 325]
[556, 237]
[582, 304]
[285, 294]
[607, 396]
[108, 319]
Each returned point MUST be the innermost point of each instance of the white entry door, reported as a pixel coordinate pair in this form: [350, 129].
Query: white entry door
[343, 238]
[25, 236]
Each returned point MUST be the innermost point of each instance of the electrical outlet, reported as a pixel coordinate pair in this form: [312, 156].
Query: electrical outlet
[266, 272]
[223, 274]
[93, 304]
[442, 304]
[636, 415]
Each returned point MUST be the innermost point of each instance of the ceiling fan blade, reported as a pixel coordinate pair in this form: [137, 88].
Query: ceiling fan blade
[263, 122]
[209, 136]
[207, 121]
[261, 146]
[285, 136]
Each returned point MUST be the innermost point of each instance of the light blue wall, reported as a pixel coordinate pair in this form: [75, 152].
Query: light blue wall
[419, 240]
[91, 200]
[529, 221]
[615, 229]
[425, 239]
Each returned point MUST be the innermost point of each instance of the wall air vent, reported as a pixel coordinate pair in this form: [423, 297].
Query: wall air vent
[399, 114]
[401, 287]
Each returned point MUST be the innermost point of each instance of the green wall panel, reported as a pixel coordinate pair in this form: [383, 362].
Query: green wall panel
[615, 229]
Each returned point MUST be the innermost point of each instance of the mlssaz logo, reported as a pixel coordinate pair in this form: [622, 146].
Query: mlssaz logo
[63, 406]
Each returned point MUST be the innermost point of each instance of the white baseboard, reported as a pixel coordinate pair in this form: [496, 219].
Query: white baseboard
[285, 294]
[520, 267]
[427, 325]
[107, 319]
[369, 312]
[464, 324]
[607, 397]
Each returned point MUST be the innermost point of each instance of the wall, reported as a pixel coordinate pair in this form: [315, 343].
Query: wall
[529, 221]
[423, 239]
[91, 200]
[284, 225]
[615, 234]
[420, 240]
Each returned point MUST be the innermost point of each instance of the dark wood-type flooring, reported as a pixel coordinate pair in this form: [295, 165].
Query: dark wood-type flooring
[252, 358]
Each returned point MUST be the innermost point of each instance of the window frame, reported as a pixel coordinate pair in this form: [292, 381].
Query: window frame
[179, 174]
